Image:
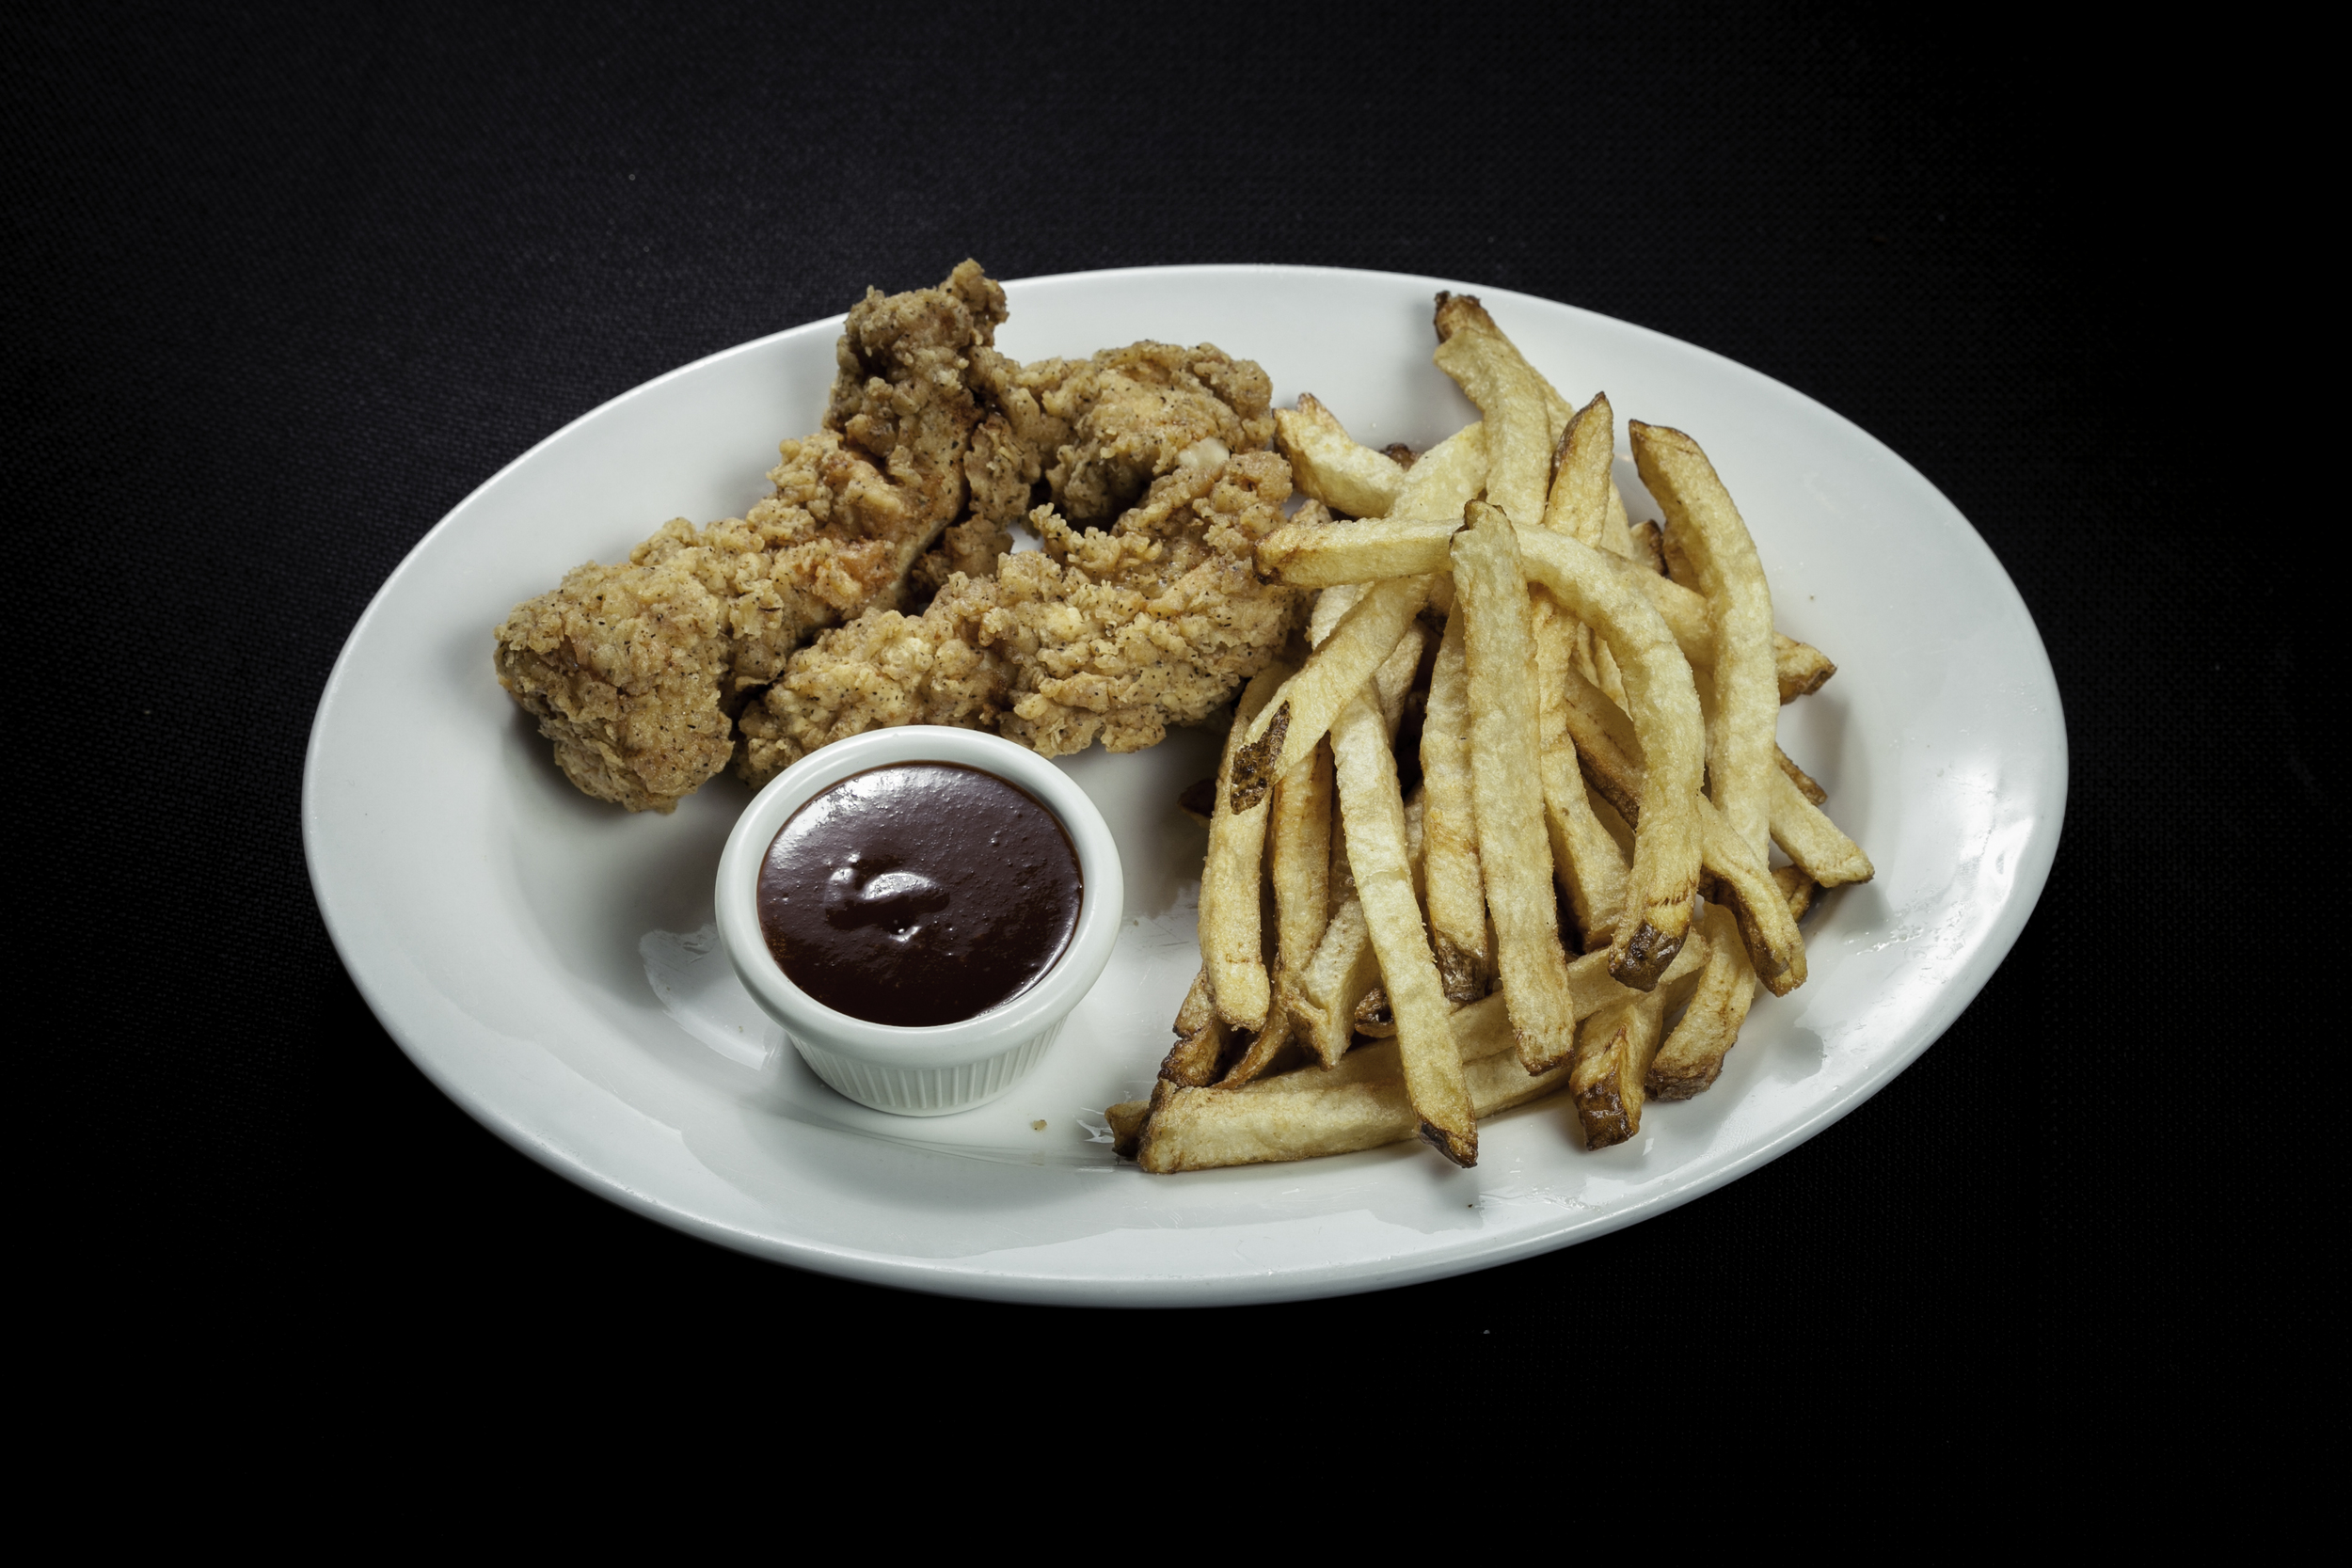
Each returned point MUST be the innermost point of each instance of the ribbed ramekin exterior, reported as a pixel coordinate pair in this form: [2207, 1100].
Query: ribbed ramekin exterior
[925, 1091]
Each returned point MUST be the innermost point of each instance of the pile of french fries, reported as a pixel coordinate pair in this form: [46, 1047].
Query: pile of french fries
[1597, 706]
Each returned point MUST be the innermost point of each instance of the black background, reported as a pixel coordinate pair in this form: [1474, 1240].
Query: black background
[285, 285]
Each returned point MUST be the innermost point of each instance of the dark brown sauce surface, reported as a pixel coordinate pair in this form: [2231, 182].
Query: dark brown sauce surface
[919, 893]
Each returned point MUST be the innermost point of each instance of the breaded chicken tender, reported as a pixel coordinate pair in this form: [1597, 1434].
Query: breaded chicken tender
[635, 672]
[1105, 634]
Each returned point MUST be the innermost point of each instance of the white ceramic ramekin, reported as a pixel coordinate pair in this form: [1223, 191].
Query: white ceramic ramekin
[946, 1066]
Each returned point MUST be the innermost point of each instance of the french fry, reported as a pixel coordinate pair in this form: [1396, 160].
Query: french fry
[1648, 548]
[1361, 1104]
[1443, 480]
[1688, 1063]
[1812, 840]
[1330, 466]
[1799, 669]
[1368, 552]
[1593, 988]
[1480, 1030]
[1392, 682]
[1372, 1017]
[1200, 1038]
[1799, 889]
[1606, 746]
[1457, 900]
[1770, 932]
[1612, 1060]
[1230, 940]
[1281, 733]
[1198, 1007]
[1514, 854]
[1615, 1047]
[1298, 858]
[1332, 558]
[1668, 733]
[1198, 1057]
[1303, 1115]
[1329, 997]
[1334, 981]
[1802, 780]
[1511, 402]
[1126, 1120]
[1702, 521]
[1694, 1053]
[1578, 506]
[1590, 866]
[1263, 1053]
[1377, 854]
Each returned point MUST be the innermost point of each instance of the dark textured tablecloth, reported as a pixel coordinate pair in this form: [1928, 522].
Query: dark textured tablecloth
[287, 284]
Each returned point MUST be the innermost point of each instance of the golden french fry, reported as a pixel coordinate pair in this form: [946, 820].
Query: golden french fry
[1770, 932]
[1799, 669]
[1436, 484]
[1797, 888]
[1298, 858]
[1198, 1007]
[1813, 841]
[1200, 1036]
[1615, 1047]
[1514, 854]
[1231, 1125]
[1605, 745]
[1480, 1030]
[1668, 733]
[1443, 480]
[1590, 866]
[1379, 858]
[1126, 1120]
[1286, 729]
[1648, 551]
[1372, 1017]
[1195, 1058]
[1392, 682]
[1334, 981]
[1231, 943]
[1302, 1115]
[1457, 899]
[1333, 559]
[1327, 999]
[1259, 1058]
[1703, 522]
[1612, 1060]
[1330, 466]
[1510, 398]
[1579, 503]
[1802, 780]
[1679, 565]
[1694, 1053]
[1367, 551]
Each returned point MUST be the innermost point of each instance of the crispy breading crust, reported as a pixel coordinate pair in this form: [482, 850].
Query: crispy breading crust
[1103, 635]
[634, 671]
[648, 676]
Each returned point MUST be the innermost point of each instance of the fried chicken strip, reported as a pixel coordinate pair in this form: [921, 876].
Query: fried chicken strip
[636, 671]
[1108, 633]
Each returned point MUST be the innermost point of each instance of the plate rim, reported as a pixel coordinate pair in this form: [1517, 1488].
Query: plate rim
[941, 1276]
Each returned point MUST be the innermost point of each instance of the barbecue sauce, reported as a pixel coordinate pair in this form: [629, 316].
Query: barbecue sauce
[920, 894]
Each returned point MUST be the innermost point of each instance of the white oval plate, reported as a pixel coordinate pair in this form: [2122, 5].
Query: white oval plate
[549, 962]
